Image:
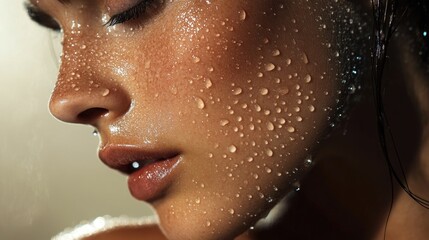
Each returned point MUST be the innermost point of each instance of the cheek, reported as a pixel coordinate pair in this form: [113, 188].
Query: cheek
[246, 91]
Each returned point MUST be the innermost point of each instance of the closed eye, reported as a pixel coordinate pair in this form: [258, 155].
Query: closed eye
[41, 17]
[141, 8]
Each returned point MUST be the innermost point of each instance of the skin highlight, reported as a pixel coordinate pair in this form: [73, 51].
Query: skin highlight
[254, 84]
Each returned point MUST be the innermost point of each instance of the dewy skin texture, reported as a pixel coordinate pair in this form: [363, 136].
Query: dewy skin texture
[239, 92]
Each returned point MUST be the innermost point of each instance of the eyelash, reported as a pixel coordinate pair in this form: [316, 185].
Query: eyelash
[130, 14]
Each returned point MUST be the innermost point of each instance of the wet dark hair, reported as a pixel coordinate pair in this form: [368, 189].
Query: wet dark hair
[388, 14]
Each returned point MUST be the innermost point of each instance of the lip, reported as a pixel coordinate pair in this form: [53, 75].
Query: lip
[154, 175]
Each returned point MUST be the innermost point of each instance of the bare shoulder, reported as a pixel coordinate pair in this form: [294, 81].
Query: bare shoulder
[151, 231]
[115, 228]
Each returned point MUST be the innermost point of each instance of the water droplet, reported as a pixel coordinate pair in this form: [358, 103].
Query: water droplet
[232, 149]
[224, 122]
[269, 152]
[255, 176]
[304, 58]
[311, 108]
[269, 67]
[291, 129]
[105, 93]
[197, 201]
[196, 59]
[237, 91]
[299, 119]
[270, 126]
[276, 53]
[268, 170]
[288, 61]
[208, 223]
[307, 78]
[173, 89]
[250, 159]
[264, 91]
[231, 211]
[243, 15]
[208, 83]
[95, 133]
[200, 103]
[83, 47]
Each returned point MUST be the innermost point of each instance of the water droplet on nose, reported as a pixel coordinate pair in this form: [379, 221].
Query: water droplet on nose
[105, 92]
[243, 15]
[200, 103]
[231, 211]
[311, 108]
[250, 159]
[255, 176]
[288, 61]
[232, 149]
[269, 67]
[196, 59]
[263, 91]
[208, 223]
[268, 170]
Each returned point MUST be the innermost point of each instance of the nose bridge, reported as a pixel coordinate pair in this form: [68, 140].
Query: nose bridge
[86, 91]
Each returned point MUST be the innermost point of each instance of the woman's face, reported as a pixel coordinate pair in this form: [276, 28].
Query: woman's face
[212, 106]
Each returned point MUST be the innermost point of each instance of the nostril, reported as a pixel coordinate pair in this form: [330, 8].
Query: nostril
[92, 114]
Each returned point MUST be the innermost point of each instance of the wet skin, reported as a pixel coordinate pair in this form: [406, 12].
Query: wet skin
[241, 91]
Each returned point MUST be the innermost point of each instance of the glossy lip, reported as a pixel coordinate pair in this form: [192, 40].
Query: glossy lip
[155, 174]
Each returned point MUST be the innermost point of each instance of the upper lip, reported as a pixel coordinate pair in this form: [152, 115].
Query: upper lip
[120, 157]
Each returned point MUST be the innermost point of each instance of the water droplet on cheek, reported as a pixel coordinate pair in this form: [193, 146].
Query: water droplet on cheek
[232, 149]
[237, 91]
[200, 103]
[208, 83]
[243, 15]
[264, 91]
[269, 67]
[224, 122]
[276, 53]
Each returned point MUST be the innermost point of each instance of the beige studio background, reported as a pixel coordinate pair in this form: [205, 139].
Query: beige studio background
[50, 176]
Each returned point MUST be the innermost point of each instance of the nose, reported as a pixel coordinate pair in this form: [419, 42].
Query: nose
[87, 93]
[82, 106]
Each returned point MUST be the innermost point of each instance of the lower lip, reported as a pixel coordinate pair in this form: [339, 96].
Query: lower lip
[150, 182]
